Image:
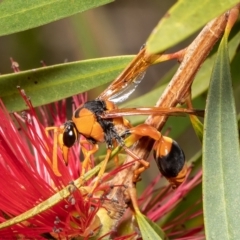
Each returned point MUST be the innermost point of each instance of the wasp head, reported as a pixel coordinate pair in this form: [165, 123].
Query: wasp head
[67, 138]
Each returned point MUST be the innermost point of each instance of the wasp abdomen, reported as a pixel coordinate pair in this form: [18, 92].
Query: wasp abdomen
[170, 160]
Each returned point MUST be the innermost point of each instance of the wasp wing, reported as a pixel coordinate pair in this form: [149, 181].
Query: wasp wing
[125, 84]
[173, 111]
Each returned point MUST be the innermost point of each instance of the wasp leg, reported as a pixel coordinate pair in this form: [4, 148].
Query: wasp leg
[102, 170]
[126, 123]
[116, 159]
[133, 196]
[87, 154]
[54, 163]
[137, 172]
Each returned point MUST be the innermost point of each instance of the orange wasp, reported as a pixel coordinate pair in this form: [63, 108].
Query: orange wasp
[100, 120]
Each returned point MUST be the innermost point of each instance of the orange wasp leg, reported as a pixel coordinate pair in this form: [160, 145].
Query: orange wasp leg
[87, 154]
[137, 172]
[116, 159]
[54, 163]
[102, 170]
[133, 196]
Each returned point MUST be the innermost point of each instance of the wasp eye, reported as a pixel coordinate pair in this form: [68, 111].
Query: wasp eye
[69, 134]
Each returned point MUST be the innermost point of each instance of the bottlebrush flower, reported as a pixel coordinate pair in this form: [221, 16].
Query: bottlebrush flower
[27, 179]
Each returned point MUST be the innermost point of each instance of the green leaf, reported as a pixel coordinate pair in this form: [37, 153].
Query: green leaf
[235, 70]
[197, 126]
[183, 19]
[18, 15]
[149, 230]
[49, 84]
[221, 156]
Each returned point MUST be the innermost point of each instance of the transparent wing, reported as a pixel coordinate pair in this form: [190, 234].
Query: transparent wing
[173, 111]
[126, 83]
[127, 90]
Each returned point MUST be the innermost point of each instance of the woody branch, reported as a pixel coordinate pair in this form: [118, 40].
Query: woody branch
[176, 92]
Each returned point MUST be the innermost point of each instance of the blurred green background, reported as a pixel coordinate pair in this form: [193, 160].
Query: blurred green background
[118, 28]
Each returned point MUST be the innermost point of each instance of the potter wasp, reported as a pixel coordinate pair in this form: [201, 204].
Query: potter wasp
[100, 120]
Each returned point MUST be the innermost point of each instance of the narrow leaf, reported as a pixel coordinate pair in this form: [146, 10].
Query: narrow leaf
[197, 126]
[149, 229]
[20, 15]
[49, 84]
[183, 19]
[221, 156]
